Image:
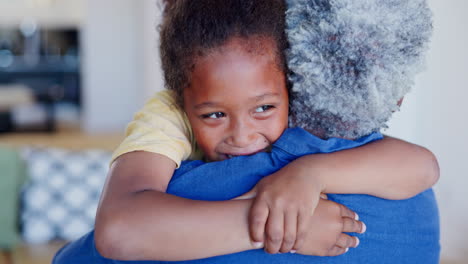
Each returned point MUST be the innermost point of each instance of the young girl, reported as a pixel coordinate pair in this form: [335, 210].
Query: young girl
[227, 71]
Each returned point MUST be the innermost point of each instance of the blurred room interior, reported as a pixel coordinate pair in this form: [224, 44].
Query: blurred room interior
[73, 73]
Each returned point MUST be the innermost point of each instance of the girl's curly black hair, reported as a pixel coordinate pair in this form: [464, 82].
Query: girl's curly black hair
[192, 28]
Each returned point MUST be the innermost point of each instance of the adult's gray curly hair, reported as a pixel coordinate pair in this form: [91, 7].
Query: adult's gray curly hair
[351, 61]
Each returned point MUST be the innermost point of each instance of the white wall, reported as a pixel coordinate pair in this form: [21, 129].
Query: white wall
[435, 115]
[112, 68]
[121, 68]
[153, 80]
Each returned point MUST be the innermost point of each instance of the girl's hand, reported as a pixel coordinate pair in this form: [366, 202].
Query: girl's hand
[283, 206]
[325, 236]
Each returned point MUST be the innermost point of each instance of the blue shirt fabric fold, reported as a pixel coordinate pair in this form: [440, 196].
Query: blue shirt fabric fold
[405, 231]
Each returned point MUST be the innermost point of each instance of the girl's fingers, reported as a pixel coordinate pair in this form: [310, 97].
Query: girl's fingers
[274, 231]
[347, 241]
[290, 231]
[257, 221]
[353, 226]
[302, 220]
[346, 212]
[336, 251]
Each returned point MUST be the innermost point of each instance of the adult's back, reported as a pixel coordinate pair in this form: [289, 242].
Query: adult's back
[404, 231]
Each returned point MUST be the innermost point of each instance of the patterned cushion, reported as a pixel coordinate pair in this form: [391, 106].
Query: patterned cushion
[61, 197]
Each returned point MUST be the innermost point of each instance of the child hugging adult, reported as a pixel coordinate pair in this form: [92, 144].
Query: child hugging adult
[351, 62]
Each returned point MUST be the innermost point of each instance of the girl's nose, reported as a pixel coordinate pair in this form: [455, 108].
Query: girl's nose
[242, 134]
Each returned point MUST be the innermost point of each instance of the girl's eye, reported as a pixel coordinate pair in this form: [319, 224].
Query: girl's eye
[263, 108]
[214, 115]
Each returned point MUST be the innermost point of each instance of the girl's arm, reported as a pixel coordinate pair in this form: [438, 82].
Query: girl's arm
[136, 220]
[389, 168]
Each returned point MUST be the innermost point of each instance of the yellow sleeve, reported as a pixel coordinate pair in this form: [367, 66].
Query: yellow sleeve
[160, 127]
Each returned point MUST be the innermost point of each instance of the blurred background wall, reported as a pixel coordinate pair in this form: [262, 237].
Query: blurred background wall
[120, 60]
[119, 70]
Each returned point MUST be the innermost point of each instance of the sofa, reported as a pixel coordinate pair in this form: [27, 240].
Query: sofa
[48, 196]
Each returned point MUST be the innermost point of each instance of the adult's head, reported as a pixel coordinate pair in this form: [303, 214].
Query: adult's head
[352, 61]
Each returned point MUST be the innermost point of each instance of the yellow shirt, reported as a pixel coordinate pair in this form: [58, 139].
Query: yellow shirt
[160, 127]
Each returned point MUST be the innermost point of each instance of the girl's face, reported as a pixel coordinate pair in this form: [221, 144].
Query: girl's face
[237, 102]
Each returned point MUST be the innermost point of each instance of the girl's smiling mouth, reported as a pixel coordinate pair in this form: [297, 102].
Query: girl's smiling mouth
[225, 156]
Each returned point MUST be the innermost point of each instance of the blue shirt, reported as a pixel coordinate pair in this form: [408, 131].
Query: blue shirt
[404, 231]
